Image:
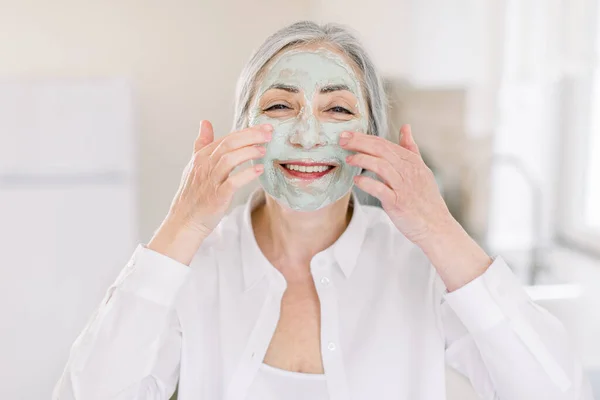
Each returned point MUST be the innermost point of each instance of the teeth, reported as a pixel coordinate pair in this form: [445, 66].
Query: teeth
[303, 168]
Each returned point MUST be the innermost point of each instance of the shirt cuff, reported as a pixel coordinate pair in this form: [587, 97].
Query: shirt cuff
[490, 298]
[153, 276]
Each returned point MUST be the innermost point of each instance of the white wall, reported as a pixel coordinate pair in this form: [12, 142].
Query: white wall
[183, 58]
[431, 43]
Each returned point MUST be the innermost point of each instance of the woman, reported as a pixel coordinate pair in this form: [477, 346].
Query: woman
[303, 293]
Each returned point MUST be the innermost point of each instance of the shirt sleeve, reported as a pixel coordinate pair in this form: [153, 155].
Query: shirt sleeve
[509, 347]
[130, 348]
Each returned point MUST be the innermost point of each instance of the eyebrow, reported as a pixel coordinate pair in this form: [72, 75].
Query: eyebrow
[334, 88]
[324, 89]
[287, 88]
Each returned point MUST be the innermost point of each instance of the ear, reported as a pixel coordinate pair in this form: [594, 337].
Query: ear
[407, 140]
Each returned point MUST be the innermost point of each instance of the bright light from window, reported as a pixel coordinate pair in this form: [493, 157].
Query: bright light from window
[592, 198]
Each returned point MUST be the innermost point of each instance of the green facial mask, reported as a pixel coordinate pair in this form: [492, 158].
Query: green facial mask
[304, 137]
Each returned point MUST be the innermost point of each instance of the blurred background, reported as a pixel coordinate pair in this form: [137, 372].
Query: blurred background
[100, 102]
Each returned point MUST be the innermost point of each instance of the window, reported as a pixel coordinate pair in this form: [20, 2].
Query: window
[580, 186]
[591, 215]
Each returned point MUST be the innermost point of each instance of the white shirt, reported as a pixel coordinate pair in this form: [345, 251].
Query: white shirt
[388, 325]
[276, 384]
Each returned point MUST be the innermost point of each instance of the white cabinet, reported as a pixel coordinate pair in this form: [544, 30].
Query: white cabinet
[68, 218]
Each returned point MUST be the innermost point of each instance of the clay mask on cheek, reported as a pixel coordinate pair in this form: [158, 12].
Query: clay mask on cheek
[304, 138]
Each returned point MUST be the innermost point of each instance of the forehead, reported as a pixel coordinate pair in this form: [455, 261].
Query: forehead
[309, 66]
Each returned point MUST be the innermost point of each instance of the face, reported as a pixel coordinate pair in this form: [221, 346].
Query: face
[310, 96]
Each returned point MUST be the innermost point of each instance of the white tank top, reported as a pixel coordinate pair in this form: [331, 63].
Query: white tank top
[277, 384]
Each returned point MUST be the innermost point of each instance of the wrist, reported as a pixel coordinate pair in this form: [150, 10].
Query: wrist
[445, 230]
[457, 258]
[177, 240]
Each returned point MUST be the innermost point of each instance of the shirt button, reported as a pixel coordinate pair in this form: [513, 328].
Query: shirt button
[325, 281]
[331, 346]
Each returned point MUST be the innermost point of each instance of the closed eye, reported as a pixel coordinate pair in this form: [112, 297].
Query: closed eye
[338, 109]
[277, 107]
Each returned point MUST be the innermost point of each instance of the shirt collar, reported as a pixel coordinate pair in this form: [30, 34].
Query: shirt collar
[345, 250]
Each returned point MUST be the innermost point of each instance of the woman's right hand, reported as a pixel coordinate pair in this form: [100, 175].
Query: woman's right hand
[207, 188]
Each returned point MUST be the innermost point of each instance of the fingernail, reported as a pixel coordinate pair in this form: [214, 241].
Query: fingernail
[262, 149]
[349, 159]
[344, 138]
[259, 168]
[268, 136]
[268, 127]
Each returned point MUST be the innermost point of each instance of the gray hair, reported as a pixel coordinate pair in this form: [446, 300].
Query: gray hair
[307, 32]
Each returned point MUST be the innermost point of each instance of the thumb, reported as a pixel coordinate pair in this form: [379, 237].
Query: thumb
[406, 139]
[205, 136]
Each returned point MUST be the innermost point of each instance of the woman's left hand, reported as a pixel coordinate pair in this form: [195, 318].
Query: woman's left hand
[409, 193]
[410, 196]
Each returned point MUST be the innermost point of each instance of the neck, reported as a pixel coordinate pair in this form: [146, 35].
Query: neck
[290, 239]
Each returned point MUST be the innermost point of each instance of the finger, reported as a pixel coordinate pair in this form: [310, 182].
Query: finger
[375, 146]
[364, 143]
[205, 136]
[232, 159]
[255, 135]
[379, 166]
[407, 139]
[239, 179]
[376, 189]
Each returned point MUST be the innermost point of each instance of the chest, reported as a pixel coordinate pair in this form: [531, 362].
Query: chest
[295, 344]
[363, 339]
[366, 331]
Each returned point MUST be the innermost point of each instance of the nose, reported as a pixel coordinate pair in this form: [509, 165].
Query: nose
[307, 133]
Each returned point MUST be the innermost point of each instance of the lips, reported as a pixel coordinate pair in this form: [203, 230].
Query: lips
[306, 170]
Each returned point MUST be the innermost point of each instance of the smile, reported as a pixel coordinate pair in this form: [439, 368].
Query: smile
[306, 170]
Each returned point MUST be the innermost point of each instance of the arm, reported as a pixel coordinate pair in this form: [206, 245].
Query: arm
[130, 349]
[509, 347]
